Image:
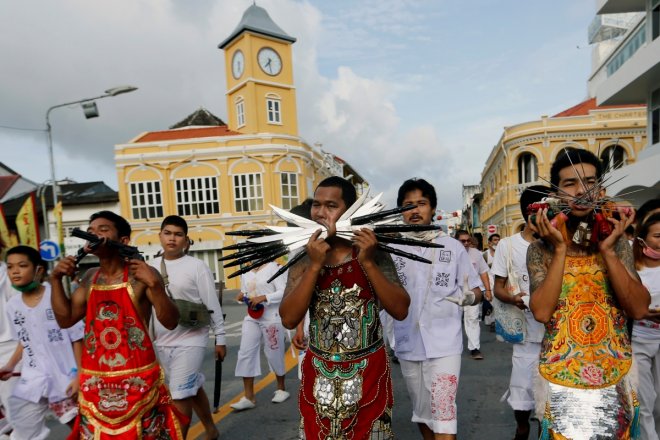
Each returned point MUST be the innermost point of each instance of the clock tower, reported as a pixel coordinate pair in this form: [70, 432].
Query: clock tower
[261, 97]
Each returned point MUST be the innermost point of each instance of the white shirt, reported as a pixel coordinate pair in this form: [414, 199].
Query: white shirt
[7, 342]
[255, 283]
[646, 329]
[190, 279]
[48, 357]
[518, 254]
[433, 327]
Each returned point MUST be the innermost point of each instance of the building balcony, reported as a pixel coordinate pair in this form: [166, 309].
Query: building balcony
[617, 6]
[634, 78]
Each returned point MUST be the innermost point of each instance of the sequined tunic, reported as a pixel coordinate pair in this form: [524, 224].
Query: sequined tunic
[122, 395]
[586, 354]
[346, 390]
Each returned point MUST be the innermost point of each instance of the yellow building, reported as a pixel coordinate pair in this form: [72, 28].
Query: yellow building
[224, 177]
[525, 152]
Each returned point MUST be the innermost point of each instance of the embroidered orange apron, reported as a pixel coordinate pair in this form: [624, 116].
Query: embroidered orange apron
[122, 392]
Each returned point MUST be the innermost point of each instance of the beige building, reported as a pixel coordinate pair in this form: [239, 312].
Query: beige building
[224, 177]
[525, 152]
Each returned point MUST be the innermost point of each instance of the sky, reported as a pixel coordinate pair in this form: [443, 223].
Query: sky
[398, 88]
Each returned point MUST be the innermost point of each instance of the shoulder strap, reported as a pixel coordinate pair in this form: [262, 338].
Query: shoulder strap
[166, 279]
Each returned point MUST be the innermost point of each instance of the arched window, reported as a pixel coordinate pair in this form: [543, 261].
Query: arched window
[273, 109]
[614, 157]
[527, 168]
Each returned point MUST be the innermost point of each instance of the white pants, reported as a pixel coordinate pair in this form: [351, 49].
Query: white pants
[387, 322]
[255, 331]
[28, 419]
[525, 361]
[7, 386]
[182, 367]
[471, 324]
[646, 354]
[432, 385]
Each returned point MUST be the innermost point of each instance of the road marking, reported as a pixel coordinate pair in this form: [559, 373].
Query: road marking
[197, 431]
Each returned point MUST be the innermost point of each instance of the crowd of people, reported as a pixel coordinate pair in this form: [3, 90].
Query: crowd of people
[578, 298]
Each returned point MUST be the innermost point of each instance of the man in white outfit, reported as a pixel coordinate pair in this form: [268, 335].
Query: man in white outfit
[262, 325]
[489, 256]
[181, 351]
[429, 340]
[471, 313]
[7, 343]
[512, 251]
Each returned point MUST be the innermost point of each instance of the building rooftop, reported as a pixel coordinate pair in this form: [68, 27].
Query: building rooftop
[256, 19]
[583, 108]
[200, 117]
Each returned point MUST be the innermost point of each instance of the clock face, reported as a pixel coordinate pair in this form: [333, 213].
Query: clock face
[269, 61]
[237, 64]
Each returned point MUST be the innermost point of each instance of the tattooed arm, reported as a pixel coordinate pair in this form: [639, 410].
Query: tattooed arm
[300, 285]
[632, 295]
[546, 272]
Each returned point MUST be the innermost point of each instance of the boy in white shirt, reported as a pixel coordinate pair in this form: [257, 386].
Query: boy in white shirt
[181, 351]
[525, 359]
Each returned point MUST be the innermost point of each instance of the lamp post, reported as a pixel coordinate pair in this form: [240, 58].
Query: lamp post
[89, 107]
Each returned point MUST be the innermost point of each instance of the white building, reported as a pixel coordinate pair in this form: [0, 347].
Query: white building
[630, 74]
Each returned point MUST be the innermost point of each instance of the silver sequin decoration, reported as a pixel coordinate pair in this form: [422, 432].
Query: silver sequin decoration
[588, 414]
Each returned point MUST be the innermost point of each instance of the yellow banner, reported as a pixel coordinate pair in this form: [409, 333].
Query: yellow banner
[4, 231]
[57, 212]
[26, 223]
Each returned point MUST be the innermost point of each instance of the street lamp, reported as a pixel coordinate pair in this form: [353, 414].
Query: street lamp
[90, 110]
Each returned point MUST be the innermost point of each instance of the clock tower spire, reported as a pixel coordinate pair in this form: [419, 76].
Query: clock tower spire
[260, 93]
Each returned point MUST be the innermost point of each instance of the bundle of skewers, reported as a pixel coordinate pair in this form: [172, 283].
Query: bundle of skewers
[597, 228]
[265, 245]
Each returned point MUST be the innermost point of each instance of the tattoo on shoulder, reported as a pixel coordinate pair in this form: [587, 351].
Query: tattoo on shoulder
[537, 264]
[295, 273]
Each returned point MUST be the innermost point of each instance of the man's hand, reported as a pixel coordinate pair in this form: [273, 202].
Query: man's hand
[465, 298]
[239, 297]
[653, 315]
[366, 242]
[518, 301]
[255, 301]
[73, 388]
[548, 232]
[220, 352]
[65, 267]
[317, 248]
[6, 372]
[142, 272]
[626, 218]
[299, 340]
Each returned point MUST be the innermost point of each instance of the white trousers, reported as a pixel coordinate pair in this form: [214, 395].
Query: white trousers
[525, 363]
[254, 333]
[432, 385]
[646, 354]
[182, 367]
[387, 322]
[28, 419]
[471, 324]
[7, 386]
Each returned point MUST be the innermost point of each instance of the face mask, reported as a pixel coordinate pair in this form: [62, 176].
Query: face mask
[494, 246]
[28, 287]
[648, 251]
[651, 253]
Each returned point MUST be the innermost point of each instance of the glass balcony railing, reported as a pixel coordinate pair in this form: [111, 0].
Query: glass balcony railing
[627, 50]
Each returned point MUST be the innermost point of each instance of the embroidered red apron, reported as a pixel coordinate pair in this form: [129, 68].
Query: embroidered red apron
[122, 392]
[346, 389]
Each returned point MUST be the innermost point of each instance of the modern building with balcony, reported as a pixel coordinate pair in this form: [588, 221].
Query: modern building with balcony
[631, 74]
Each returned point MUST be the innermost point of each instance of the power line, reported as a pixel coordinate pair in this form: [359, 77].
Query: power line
[22, 128]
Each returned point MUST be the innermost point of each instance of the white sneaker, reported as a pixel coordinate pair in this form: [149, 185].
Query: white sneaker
[242, 404]
[280, 396]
